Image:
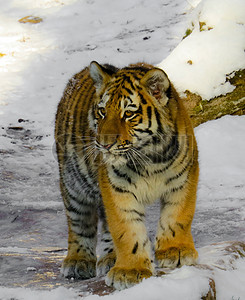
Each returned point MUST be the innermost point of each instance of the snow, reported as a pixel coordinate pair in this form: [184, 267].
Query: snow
[205, 58]
[14, 249]
[157, 288]
[37, 61]
[28, 294]
[226, 137]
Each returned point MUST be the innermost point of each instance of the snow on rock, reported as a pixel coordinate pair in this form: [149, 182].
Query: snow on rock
[214, 49]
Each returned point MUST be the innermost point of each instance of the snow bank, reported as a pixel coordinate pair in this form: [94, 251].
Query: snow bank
[214, 49]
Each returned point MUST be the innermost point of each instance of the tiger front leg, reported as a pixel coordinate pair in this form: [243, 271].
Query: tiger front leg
[107, 253]
[80, 261]
[133, 250]
[174, 242]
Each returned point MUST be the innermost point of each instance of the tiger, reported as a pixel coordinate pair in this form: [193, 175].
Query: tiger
[124, 140]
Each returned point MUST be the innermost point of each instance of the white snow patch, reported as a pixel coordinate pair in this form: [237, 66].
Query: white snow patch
[60, 293]
[202, 61]
[221, 146]
[220, 143]
[14, 250]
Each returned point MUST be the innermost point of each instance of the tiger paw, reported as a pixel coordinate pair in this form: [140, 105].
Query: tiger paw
[79, 269]
[105, 263]
[120, 278]
[176, 256]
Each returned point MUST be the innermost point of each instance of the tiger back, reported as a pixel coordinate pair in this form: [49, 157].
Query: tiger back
[124, 140]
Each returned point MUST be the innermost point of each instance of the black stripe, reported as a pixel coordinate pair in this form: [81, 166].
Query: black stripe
[129, 81]
[159, 124]
[162, 227]
[143, 101]
[188, 165]
[135, 248]
[106, 240]
[156, 140]
[136, 169]
[145, 242]
[136, 220]
[171, 229]
[180, 225]
[149, 114]
[132, 105]
[169, 152]
[120, 190]
[121, 175]
[139, 68]
[70, 208]
[69, 242]
[186, 153]
[178, 188]
[83, 224]
[139, 110]
[144, 131]
[81, 203]
[173, 147]
[76, 118]
[121, 236]
[134, 211]
[128, 90]
[86, 235]
[73, 168]
[165, 168]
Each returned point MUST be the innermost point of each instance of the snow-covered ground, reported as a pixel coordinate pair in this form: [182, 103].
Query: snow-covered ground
[36, 61]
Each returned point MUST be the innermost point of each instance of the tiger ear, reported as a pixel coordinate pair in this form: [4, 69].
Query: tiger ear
[98, 74]
[156, 83]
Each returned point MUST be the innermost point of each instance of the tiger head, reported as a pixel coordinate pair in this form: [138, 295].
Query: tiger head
[130, 107]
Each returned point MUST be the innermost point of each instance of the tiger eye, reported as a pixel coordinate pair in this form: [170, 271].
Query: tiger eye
[128, 114]
[101, 112]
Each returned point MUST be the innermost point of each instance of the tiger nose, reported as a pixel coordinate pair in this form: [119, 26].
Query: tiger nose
[109, 140]
[108, 146]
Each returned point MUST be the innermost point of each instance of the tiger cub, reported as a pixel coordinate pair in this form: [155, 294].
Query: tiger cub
[124, 140]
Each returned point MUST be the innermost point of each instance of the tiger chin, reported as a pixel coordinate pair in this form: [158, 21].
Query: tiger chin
[124, 140]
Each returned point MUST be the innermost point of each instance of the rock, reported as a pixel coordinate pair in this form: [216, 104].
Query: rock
[201, 110]
[211, 295]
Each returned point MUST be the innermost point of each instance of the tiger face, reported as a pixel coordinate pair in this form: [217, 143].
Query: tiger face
[127, 110]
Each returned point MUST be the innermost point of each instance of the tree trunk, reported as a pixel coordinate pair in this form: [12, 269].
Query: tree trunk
[233, 103]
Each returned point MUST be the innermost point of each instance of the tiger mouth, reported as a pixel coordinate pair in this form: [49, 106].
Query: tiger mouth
[116, 152]
[113, 149]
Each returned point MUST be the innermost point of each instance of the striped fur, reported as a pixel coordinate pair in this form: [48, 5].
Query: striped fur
[123, 141]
